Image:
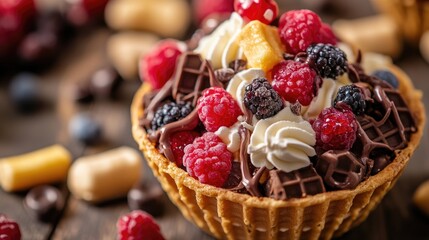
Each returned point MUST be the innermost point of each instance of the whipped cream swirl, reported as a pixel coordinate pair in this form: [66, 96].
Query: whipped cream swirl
[284, 141]
[221, 47]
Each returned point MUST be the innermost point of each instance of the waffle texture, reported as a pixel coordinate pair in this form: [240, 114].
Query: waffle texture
[228, 215]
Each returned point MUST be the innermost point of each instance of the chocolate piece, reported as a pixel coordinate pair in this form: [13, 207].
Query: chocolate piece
[296, 184]
[234, 178]
[224, 75]
[82, 94]
[104, 82]
[238, 65]
[146, 198]
[340, 169]
[44, 202]
[193, 75]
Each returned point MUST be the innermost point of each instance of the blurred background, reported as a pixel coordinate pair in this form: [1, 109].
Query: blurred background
[69, 69]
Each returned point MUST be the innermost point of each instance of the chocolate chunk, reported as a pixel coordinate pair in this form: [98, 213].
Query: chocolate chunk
[238, 65]
[146, 198]
[224, 75]
[340, 169]
[193, 75]
[82, 94]
[44, 202]
[104, 82]
[234, 178]
[296, 184]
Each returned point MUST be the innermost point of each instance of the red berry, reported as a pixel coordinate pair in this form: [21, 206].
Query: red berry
[9, 229]
[204, 8]
[82, 12]
[263, 10]
[216, 108]
[326, 35]
[335, 129]
[138, 225]
[158, 66]
[26, 9]
[294, 81]
[298, 29]
[178, 142]
[208, 160]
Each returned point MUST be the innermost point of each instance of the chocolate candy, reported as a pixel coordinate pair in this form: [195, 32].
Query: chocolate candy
[104, 82]
[44, 202]
[105, 176]
[193, 75]
[340, 169]
[44, 166]
[296, 184]
[146, 198]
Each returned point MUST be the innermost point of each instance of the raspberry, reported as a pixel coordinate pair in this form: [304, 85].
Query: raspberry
[388, 77]
[298, 29]
[178, 142]
[9, 229]
[263, 10]
[216, 108]
[204, 8]
[335, 129]
[326, 35]
[170, 112]
[138, 225]
[328, 60]
[158, 66]
[261, 99]
[352, 96]
[294, 81]
[208, 160]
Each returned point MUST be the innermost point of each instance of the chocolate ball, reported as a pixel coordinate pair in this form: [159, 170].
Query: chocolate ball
[44, 202]
[146, 198]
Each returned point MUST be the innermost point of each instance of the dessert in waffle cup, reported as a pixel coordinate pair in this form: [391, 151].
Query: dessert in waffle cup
[411, 16]
[227, 214]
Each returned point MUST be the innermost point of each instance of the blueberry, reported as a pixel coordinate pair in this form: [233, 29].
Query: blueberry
[85, 129]
[23, 92]
[388, 77]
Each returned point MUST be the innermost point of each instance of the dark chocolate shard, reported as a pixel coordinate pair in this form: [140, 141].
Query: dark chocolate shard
[341, 169]
[238, 65]
[193, 75]
[296, 184]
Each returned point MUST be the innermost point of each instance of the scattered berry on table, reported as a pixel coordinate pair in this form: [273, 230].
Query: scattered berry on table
[9, 229]
[335, 129]
[261, 99]
[388, 77]
[170, 112]
[178, 142]
[263, 10]
[24, 92]
[208, 160]
[294, 81]
[85, 129]
[352, 96]
[328, 60]
[158, 66]
[138, 225]
[216, 108]
[299, 29]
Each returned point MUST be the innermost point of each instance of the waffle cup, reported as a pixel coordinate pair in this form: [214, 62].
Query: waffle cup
[229, 215]
[412, 16]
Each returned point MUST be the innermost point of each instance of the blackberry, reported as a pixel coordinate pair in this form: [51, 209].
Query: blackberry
[328, 60]
[388, 77]
[352, 96]
[170, 112]
[261, 99]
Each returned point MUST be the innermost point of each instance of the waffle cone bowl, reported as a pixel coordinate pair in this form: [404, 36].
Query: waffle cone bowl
[228, 215]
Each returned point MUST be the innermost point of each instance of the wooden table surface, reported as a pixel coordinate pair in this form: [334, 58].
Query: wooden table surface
[394, 218]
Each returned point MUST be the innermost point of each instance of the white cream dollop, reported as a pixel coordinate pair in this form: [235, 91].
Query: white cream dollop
[221, 47]
[284, 141]
[230, 136]
[238, 83]
[324, 98]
